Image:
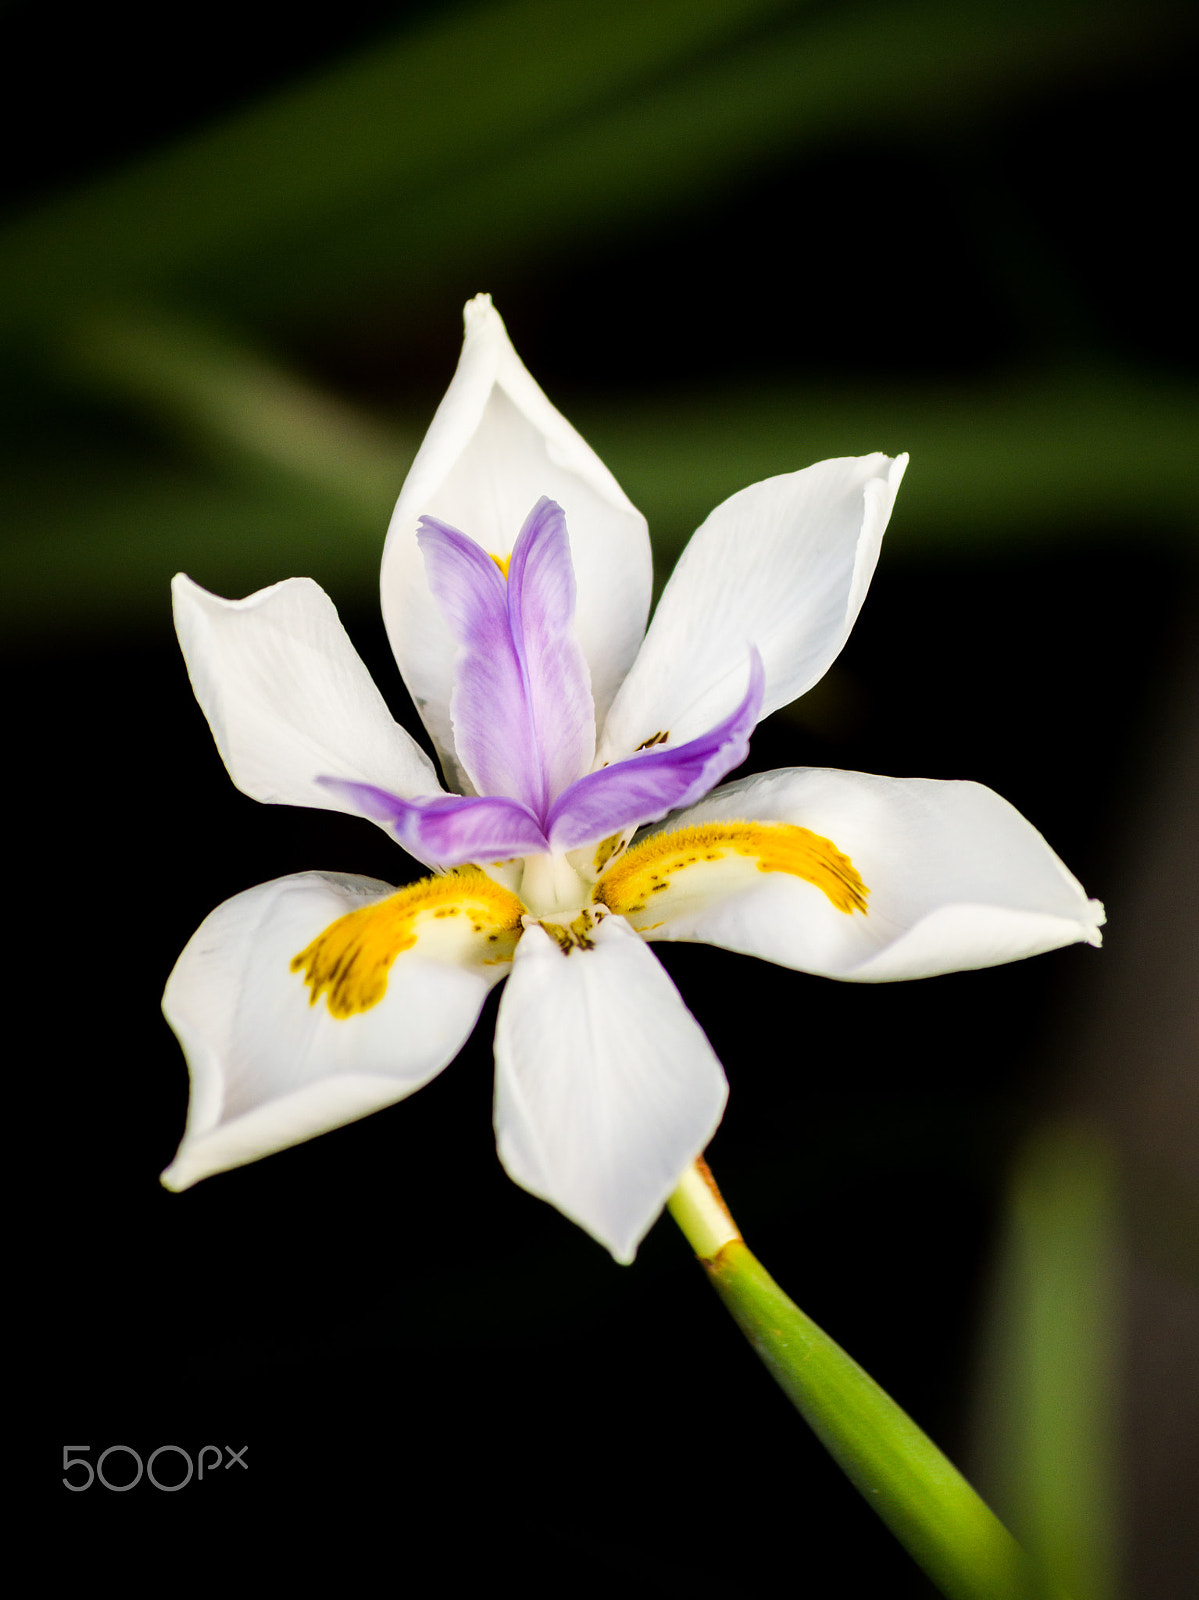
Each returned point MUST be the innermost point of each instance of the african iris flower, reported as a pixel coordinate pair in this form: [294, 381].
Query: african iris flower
[515, 587]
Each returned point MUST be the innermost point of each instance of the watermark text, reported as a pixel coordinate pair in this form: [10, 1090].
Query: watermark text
[169, 1468]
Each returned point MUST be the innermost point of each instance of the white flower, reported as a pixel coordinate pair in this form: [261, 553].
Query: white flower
[515, 584]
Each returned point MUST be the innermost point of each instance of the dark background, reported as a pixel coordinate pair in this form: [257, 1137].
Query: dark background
[427, 1364]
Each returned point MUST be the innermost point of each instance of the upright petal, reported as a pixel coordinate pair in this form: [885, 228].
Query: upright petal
[272, 1063]
[541, 605]
[288, 698]
[784, 564]
[494, 449]
[606, 1088]
[901, 877]
[521, 709]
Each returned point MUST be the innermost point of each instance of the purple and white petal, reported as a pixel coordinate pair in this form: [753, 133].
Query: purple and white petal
[647, 786]
[784, 563]
[494, 449]
[447, 830]
[606, 1087]
[521, 710]
[956, 879]
[288, 698]
[269, 1069]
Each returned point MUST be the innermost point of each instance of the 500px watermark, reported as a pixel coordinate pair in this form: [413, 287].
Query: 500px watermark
[210, 1458]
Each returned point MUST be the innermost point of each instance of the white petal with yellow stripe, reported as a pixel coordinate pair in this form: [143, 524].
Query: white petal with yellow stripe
[853, 876]
[313, 1000]
[606, 1087]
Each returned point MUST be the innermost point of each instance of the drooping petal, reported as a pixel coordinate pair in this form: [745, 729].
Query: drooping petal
[287, 1037]
[494, 449]
[606, 1088]
[448, 829]
[647, 786]
[521, 710]
[895, 877]
[784, 564]
[288, 698]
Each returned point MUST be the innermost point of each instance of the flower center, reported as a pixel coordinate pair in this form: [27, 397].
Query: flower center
[572, 932]
[551, 886]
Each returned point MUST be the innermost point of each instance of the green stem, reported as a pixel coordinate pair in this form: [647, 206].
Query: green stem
[920, 1495]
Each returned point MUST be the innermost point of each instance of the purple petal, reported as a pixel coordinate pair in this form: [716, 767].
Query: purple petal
[493, 732]
[449, 828]
[646, 787]
[541, 610]
[524, 724]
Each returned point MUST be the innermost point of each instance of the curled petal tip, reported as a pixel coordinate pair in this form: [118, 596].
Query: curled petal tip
[180, 1175]
[478, 311]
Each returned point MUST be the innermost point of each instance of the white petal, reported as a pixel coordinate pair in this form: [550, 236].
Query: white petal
[606, 1088]
[783, 565]
[957, 879]
[495, 447]
[289, 700]
[269, 1069]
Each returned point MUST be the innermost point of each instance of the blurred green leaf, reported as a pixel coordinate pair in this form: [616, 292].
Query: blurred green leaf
[282, 186]
[247, 413]
[1040, 457]
[487, 136]
[298, 482]
[484, 135]
[1053, 1366]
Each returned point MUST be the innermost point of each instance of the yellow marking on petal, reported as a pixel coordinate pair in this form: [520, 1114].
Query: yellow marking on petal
[590, 860]
[658, 877]
[463, 917]
[606, 849]
[502, 563]
[654, 738]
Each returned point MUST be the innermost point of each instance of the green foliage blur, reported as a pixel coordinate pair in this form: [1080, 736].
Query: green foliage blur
[727, 235]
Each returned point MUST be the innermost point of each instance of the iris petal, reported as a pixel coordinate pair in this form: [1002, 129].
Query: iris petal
[606, 1088]
[449, 829]
[647, 786]
[287, 696]
[785, 562]
[496, 445]
[523, 721]
[541, 606]
[958, 879]
[268, 1067]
